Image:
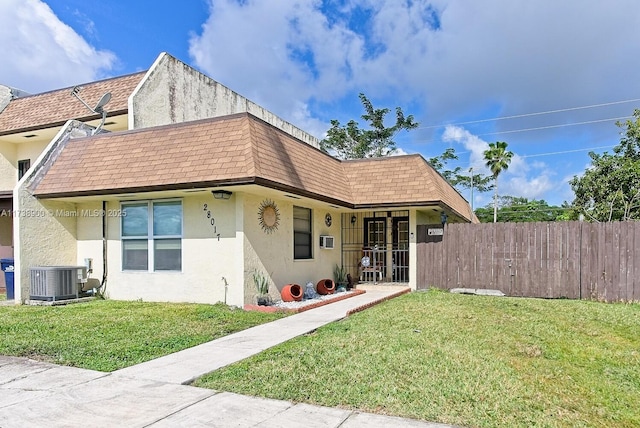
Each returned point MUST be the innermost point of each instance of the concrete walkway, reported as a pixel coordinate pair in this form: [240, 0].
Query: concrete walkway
[154, 394]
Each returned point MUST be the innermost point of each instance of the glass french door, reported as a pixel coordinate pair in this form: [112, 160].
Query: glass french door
[400, 249]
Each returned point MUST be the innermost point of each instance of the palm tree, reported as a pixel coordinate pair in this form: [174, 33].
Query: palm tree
[497, 158]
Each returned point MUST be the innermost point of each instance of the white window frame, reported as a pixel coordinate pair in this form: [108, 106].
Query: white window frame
[150, 237]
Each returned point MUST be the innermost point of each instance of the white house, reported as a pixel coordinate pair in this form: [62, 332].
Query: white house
[186, 212]
[169, 92]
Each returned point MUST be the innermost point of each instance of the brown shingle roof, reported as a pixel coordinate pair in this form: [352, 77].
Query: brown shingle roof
[400, 180]
[238, 149]
[54, 108]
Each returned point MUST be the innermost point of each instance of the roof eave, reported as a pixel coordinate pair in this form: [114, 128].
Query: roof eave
[199, 185]
[61, 123]
[248, 181]
[140, 189]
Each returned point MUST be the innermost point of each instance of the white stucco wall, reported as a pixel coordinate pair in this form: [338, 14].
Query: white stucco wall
[241, 248]
[8, 171]
[30, 150]
[5, 96]
[272, 252]
[89, 240]
[174, 92]
[10, 154]
[43, 237]
[206, 259]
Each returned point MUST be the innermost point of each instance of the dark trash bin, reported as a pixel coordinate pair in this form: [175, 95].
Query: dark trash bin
[7, 268]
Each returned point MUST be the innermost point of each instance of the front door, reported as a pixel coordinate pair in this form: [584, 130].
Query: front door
[375, 243]
[400, 249]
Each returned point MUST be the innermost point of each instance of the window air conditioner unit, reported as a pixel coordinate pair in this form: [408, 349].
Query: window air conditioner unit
[326, 242]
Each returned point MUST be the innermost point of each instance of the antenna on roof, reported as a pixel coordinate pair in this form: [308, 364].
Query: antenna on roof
[98, 109]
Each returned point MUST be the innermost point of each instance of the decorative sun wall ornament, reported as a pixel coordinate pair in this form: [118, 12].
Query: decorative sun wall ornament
[268, 216]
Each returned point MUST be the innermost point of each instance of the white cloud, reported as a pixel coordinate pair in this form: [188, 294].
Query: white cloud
[539, 54]
[530, 180]
[40, 52]
[472, 143]
[302, 118]
[398, 152]
[442, 60]
[278, 54]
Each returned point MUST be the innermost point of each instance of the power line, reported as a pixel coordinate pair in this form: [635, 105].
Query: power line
[530, 114]
[532, 129]
[466, 165]
[555, 126]
[566, 151]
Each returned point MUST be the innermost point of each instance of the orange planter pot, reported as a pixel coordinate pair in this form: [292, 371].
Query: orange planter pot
[291, 293]
[325, 286]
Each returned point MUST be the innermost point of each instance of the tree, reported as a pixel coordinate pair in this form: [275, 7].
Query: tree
[610, 188]
[457, 177]
[351, 142]
[497, 158]
[517, 209]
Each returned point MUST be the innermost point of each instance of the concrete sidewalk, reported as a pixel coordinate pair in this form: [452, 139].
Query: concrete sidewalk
[153, 394]
[185, 366]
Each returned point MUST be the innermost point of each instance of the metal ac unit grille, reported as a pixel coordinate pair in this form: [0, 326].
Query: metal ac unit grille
[54, 282]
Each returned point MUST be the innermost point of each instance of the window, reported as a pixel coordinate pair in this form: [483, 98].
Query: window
[23, 167]
[302, 235]
[375, 231]
[152, 235]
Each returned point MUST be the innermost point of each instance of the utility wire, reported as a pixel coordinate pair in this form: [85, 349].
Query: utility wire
[555, 126]
[530, 114]
[467, 165]
[566, 151]
[531, 129]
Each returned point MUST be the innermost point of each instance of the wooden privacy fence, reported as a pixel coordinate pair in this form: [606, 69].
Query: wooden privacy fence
[575, 260]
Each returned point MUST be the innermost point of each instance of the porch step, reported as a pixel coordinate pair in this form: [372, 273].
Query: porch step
[383, 286]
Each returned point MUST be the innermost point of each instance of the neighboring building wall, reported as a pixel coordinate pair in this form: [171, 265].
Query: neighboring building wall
[8, 169]
[7, 94]
[5, 235]
[34, 216]
[30, 151]
[8, 175]
[6, 241]
[174, 92]
[272, 253]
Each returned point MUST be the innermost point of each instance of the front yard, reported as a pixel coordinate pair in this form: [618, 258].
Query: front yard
[108, 335]
[465, 360]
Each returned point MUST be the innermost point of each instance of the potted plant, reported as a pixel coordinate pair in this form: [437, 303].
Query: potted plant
[340, 276]
[261, 282]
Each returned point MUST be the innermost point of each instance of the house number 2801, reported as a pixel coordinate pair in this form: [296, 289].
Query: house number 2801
[211, 220]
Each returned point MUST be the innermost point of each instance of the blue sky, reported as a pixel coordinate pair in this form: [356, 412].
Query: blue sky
[470, 72]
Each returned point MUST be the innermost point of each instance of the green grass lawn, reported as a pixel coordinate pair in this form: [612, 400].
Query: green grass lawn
[466, 360]
[107, 335]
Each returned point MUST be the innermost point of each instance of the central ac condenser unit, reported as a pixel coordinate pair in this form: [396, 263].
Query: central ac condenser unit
[56, 282]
